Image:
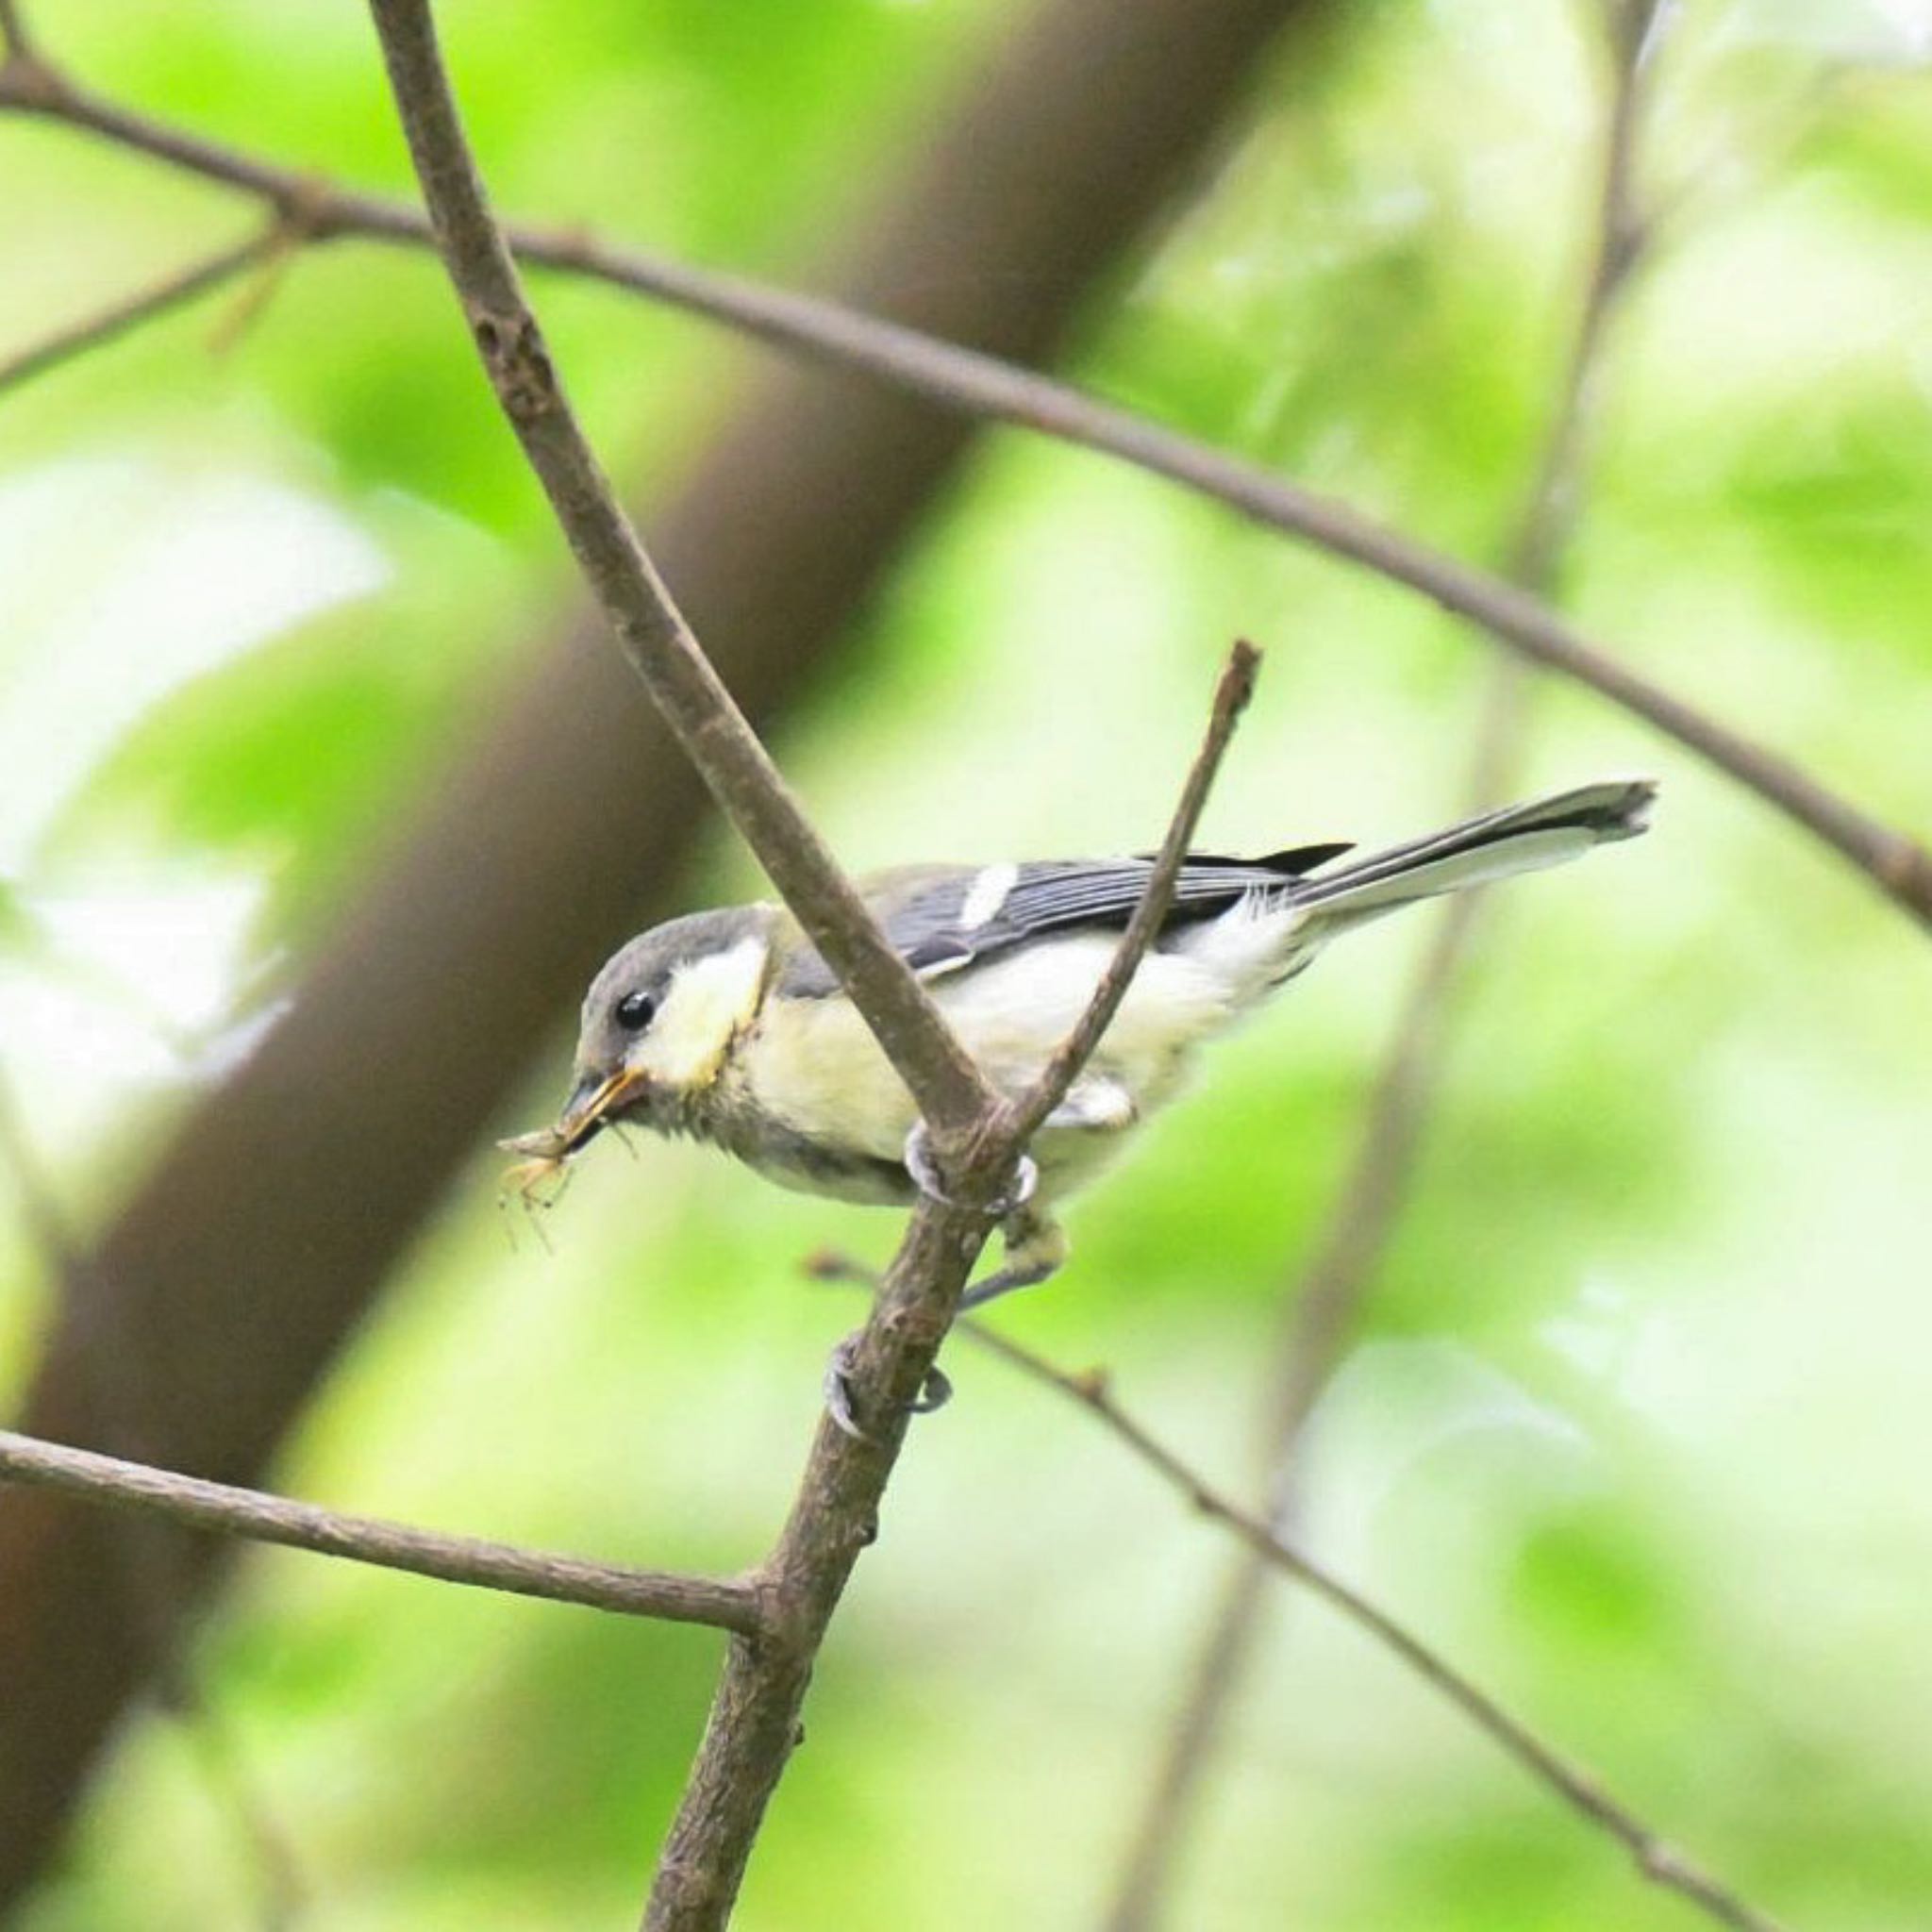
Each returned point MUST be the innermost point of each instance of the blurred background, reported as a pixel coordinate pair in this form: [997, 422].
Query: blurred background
[321, 800]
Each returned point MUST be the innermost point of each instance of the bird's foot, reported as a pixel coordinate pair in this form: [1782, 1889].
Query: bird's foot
[931, 1183]
[934, 1393]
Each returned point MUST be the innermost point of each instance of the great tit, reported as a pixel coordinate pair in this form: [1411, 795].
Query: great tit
[728, 1026]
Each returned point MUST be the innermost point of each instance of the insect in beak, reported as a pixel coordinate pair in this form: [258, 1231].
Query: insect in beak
[589, 1108]
[538, 1180]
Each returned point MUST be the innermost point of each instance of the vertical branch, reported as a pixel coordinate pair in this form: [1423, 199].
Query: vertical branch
[1325, 1304]
[753, 1724]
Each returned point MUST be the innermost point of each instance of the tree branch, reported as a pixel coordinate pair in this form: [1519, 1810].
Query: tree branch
[649, 627]
[174, 292]
[1026, 185]
[1021, 1120]
[1325, 1302]
[753, 1720]
[13, 31]
[1579, 1789]
[963, 380]
[226, 1510]
[753, 1724]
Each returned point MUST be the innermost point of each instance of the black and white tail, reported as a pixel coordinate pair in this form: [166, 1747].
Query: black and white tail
[1520, 838]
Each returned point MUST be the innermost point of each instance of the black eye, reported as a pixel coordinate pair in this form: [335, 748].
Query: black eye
[634, 1011]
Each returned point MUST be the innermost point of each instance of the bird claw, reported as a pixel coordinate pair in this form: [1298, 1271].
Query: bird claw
[928, 1180]
[934, 1393]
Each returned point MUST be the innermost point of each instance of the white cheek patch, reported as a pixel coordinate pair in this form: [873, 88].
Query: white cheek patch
[985, 895]
[708, 1002]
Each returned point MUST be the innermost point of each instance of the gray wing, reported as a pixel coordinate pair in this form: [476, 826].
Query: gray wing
[945, 920]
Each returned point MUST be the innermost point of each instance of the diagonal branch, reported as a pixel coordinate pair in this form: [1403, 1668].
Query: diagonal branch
[650, 629]
[174, 292]
[1026, 186]
[1580, 1790]
[755, 1717]
[964, 380]
[224, 1510]
[1022, 1118]
[753, 1720]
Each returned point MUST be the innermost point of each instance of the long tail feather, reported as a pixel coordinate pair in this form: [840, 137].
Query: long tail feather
[1520, 838]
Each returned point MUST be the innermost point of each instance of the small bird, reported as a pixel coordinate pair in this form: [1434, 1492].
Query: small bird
[730, 1028]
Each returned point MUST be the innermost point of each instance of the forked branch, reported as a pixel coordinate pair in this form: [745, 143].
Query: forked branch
[754, 1725]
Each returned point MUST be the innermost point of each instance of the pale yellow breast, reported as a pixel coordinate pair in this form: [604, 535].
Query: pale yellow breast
[815, 1066]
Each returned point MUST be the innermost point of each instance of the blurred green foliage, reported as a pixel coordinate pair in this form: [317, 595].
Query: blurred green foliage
[1639, 1427]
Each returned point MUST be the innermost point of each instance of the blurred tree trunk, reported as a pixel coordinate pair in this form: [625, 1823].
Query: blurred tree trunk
[233, 1276]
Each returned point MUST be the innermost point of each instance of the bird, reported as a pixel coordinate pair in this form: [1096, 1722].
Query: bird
[730, 1028]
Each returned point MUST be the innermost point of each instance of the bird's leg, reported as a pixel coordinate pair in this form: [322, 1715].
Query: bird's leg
[1036, 1249]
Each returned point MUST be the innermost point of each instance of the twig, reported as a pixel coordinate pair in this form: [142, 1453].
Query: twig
[754, 1715]
[226, 1510]
[1022, 1119]
[754, 1725]
[293, 230]
[1322, 1308]
[1325, 1304]
[1654, 1857]
[172, 292]
[650, 628]
[20, 46]
[966, 381]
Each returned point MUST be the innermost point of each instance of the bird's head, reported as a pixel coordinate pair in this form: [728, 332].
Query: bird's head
[659, 1019]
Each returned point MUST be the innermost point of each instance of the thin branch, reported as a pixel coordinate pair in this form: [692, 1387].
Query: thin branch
[1325, 1302]
[754, 1715]
[754, 1725]
[251, 1514]
[753, 1720]
[964, 380]
[1322, 1311]
[13, 31]
[1579, 1789]
[1023, 1119]
[650, 628]
[174, 292]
